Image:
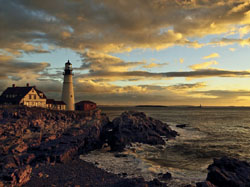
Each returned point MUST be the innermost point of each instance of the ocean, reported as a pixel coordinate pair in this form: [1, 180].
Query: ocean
[211, 132]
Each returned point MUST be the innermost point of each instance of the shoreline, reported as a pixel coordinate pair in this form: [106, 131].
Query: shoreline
[81, 173]
[36, 137]
[40, 146]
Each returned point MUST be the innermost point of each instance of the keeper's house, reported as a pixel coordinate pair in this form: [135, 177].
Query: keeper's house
[29, 96]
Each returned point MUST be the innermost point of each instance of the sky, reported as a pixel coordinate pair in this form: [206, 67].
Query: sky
[130, 52]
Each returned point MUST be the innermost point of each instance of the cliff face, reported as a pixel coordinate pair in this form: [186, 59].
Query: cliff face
[33, 136]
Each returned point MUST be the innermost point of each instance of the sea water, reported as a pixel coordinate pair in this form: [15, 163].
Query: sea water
[211, 132]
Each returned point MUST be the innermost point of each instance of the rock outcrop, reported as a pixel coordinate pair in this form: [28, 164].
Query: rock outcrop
[81, 173]
[135, 127]
[34, 136]
[227, 172]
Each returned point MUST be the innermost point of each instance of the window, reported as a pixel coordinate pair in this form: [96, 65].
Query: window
[30, 96]
[34, 96]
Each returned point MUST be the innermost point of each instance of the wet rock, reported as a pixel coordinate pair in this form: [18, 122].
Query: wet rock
[119, 155]
[181, 126]
[156, 182]
[124, 174]
[189, 185]
[40, 174]
[204, 184]
[9, 162]
[23, 175]
[135, 127]
[229, 172]
[166, 176]
[21, 148]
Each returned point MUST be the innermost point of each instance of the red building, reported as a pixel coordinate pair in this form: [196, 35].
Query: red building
[85, 105]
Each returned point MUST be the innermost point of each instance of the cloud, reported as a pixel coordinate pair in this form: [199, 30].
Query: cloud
[225, 94]
[185, 87]
[244, 30]
[213, 55]
[154, 65]
[98, 29]
[13, 68]
[94, 61]
[230, 41]
[107, 27]
[90, 86]
[232, 49]
[199, 73]
[21, 72]
[203, 65]
[181, 60]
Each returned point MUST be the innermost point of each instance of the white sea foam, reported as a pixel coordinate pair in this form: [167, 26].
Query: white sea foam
[135, 162]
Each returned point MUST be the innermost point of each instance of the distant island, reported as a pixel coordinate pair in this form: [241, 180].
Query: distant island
[150, 106]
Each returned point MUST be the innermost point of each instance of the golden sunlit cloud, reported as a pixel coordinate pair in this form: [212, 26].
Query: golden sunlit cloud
[104, 62]
[203, 65]
[181, 88]
[213, 55]
[154, 65]
[99, 33]
[181, 60]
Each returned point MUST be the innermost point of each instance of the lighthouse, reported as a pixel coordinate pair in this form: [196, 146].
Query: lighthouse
[68, 90]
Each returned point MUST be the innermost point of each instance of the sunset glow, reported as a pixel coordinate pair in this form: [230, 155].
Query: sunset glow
[131, 52]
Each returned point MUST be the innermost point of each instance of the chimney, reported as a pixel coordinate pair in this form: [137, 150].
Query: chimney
[27, 84]
[13, 85]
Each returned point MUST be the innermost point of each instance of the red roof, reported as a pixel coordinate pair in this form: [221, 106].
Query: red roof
[85, 102]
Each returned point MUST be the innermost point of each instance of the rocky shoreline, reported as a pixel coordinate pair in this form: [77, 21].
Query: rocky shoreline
[41, 147]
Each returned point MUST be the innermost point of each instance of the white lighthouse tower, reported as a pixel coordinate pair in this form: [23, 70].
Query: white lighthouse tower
[68, 90]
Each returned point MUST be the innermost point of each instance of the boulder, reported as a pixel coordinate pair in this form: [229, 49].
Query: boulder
[181, 125]
[132, 127]
[229, 172]
[204, 184]
[166, 176]
[23, 175]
